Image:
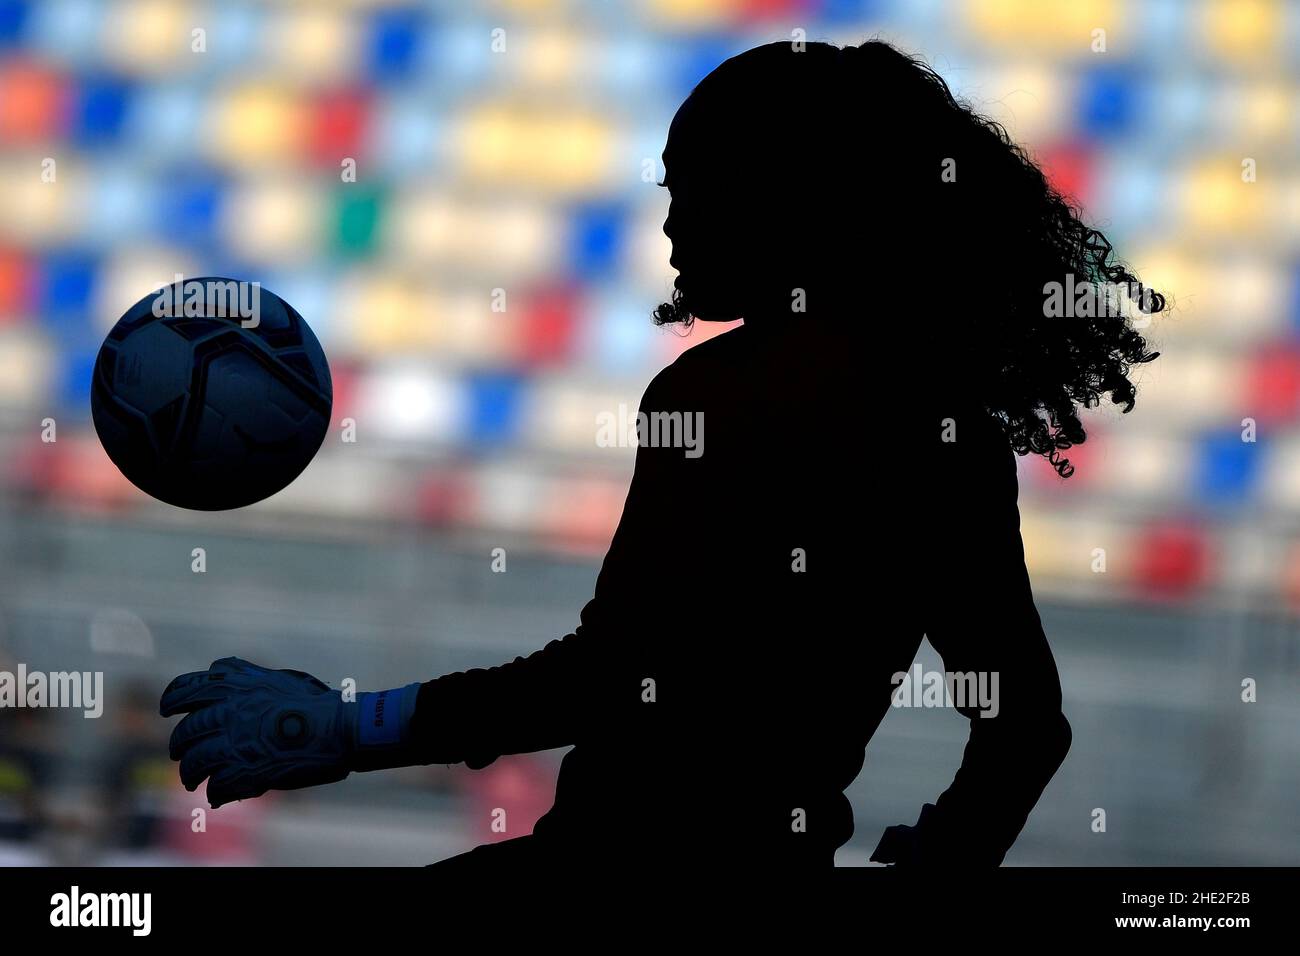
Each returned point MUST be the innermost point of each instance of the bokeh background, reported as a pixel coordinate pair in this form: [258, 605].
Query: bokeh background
[513, 146]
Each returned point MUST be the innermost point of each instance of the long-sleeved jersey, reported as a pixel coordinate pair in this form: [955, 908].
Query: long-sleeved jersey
[762, 592]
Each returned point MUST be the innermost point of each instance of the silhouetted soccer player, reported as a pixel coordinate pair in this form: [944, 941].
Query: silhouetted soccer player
[890, 253]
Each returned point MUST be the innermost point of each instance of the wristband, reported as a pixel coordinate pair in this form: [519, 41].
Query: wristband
[383, 727]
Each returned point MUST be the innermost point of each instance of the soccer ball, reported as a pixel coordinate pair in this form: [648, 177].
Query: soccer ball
[211, 394]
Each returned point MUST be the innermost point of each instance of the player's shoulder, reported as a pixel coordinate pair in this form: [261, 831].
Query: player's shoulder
[697, 369]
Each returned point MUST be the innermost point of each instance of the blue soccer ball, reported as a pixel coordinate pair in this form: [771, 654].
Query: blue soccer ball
[211, 393]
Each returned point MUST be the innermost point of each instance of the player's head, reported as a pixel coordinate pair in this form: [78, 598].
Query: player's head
[849, 183]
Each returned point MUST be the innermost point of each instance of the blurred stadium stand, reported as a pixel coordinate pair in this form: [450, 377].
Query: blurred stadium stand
[525, 175]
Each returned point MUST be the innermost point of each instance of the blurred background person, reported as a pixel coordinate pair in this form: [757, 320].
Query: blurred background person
[29, 756]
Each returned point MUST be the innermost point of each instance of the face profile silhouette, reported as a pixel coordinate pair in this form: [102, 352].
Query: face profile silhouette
[849, 185]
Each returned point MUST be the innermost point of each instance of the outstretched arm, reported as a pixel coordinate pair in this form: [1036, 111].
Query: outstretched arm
[250, 729]
[551, 697]
[988, 626]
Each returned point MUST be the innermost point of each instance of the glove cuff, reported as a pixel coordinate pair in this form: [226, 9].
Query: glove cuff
[382, 736]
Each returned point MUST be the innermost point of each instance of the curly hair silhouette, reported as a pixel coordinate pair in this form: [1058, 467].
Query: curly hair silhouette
[910, 211]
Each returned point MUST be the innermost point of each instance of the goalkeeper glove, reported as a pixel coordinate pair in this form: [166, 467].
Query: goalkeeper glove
[250, 729]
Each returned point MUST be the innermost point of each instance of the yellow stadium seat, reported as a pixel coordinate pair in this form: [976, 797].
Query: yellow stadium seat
[256, 126]
[153, 37]
[1243, 31]
[312, 44]
[1059, 25]
[560, 151]
[275, 220]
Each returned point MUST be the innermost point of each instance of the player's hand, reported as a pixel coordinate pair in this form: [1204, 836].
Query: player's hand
[250, 729]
